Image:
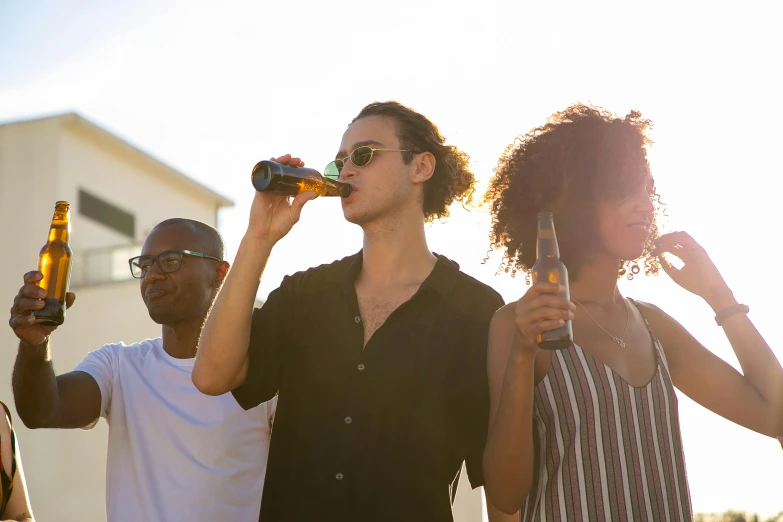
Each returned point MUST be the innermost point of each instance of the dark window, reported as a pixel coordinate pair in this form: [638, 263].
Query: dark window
[107, 214]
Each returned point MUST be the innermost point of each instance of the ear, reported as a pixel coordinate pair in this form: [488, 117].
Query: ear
[424, 167]
[221, 271]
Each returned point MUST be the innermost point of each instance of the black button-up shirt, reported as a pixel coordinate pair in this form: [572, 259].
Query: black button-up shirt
[378, 433]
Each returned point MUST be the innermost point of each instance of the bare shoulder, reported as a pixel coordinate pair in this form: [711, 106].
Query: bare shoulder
[503, 322]
[674, 338]
[659, 321]
[505, 315]
[502, 332]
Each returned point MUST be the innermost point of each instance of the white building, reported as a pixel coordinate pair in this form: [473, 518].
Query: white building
[118, 193]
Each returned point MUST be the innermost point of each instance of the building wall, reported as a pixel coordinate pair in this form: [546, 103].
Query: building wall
[41, 162]
[122, 179]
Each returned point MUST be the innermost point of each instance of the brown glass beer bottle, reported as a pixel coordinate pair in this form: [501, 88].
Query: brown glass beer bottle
[54, 263]
[269, 176]
[549, 268]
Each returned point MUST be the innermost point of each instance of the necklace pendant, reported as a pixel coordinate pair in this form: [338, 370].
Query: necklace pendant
[620, 342]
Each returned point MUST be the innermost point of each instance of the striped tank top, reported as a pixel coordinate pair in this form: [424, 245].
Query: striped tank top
[603, 449]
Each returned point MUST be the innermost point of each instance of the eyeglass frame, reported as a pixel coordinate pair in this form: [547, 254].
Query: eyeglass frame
[348, 158]
[156, 259]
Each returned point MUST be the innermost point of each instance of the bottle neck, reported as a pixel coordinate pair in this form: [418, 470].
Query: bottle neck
[336, 188]
[60, 228]
[546, 244]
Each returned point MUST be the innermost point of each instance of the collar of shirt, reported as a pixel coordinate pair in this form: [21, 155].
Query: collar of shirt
[441, 279]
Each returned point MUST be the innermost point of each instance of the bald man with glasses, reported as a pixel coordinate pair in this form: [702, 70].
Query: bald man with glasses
[174, 453]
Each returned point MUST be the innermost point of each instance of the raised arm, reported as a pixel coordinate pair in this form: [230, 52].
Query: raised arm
[44, 400]
[222, 358]
[512, 352]
[753, 398]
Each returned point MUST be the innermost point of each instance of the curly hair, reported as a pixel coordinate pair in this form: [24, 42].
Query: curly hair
[583, 155]
[452, 180]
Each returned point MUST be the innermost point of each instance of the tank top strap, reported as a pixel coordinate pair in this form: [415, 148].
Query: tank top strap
[7, 412]
[654, 338]
[8, 481]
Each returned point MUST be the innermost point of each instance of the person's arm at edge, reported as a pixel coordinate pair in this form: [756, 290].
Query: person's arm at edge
[18, 507]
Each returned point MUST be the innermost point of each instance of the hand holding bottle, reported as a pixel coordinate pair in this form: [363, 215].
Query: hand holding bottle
[29, 299]
[698, 275]
[272, 215]
[544, 308]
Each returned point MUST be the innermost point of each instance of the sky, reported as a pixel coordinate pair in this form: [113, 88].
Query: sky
[211, 88]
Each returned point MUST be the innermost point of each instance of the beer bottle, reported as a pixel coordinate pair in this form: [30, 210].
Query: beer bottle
[54, 263]
[549, 268]
[269, 176]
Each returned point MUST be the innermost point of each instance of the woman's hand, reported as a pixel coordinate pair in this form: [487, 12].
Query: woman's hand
[698, 275]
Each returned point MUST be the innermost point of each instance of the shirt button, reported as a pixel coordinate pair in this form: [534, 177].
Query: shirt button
[357, 319]
[360, 367]
[348, 420]
[339, 476]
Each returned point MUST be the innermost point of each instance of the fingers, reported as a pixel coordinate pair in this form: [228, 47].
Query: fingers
[545, 295]
[532, 315]
[27, 300]
[33, 291]
[679, 239]
[32, 277]
[671, 249]
[681, 245]
[19, 322]
[289, 160]
[265, 204]
[22, 312]
[542, 308]
[545, 326]
[529, 330]
[298, 203]
[25, 303]
[266, 199]
[541, 288]
[669, 268]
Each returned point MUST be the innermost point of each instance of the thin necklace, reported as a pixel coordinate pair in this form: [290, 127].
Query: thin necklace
[619, 340]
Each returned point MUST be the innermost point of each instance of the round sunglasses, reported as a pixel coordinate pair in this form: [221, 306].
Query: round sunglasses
[360, 157]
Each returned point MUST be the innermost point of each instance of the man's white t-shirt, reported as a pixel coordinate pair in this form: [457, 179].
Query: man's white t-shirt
[174, 453]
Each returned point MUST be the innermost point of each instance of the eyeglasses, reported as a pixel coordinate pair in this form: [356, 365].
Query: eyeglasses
[360, 157]
[168, 262]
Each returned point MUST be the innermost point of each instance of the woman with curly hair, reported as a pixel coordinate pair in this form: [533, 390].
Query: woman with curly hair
[591, 432]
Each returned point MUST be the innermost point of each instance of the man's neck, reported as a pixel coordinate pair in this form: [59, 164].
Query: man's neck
[396, 253]
[181, 339]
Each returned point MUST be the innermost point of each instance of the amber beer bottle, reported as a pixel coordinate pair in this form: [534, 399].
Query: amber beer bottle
[54, 263]
[269, 176]
[549, 268]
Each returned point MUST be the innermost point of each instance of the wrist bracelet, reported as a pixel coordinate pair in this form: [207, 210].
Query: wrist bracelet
[732, 310]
